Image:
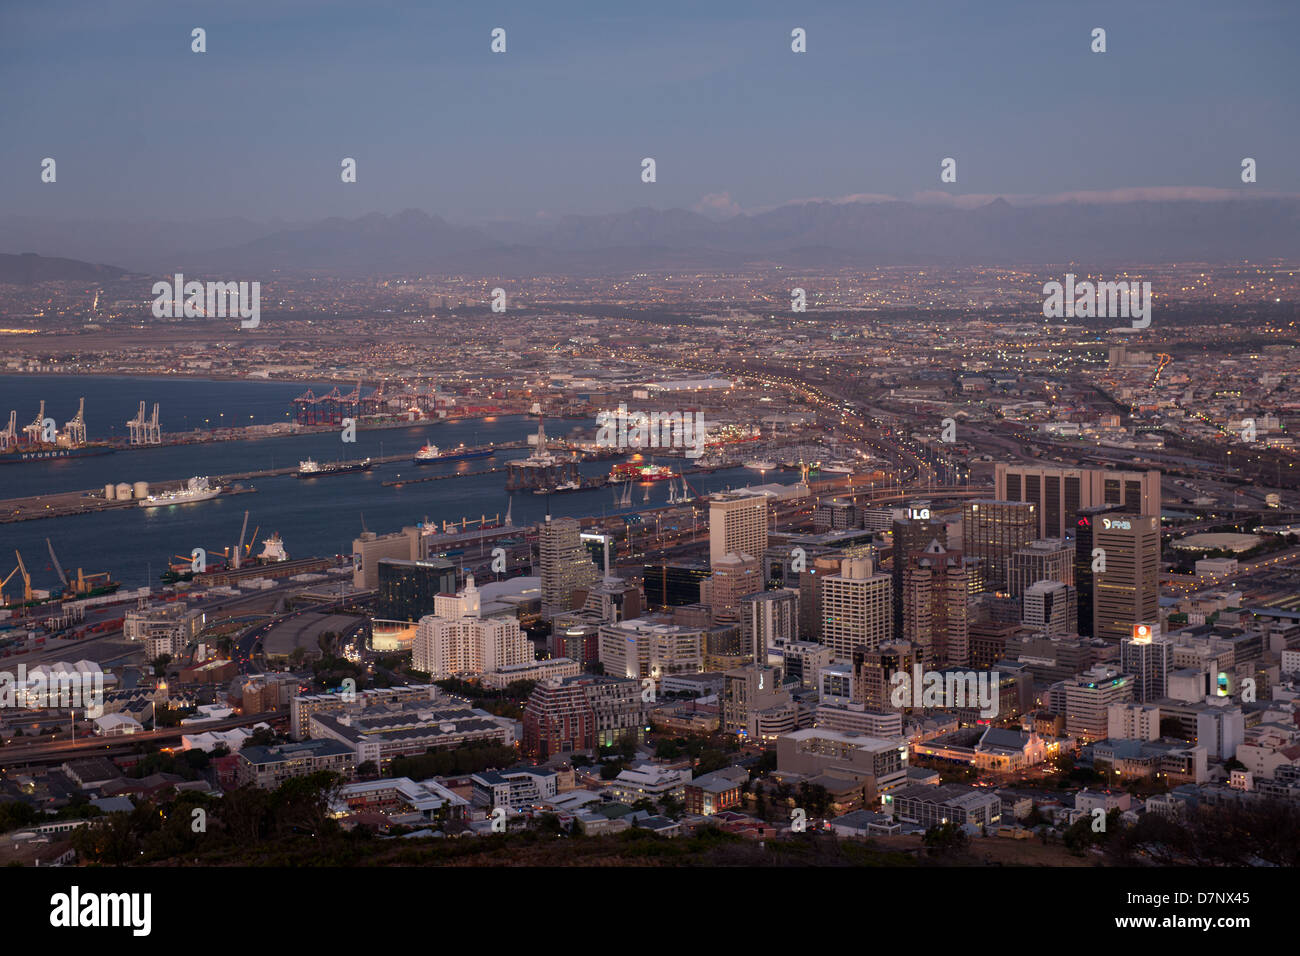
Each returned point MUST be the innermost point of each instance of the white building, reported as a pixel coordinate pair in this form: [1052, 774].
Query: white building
[1133, 721]
[650, 782]
[456, 639]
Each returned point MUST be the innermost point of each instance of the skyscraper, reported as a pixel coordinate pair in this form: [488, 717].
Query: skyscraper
[911, 534]
[737, 525]
[993, 530]
[1051, 609]
[856, 609]
[934, 606]
[566, 564]
[1047, 559]
[767, 619]
[1148, 655]
[1060, 493]
[1127, 592]
[734, 576]
[1084, 561]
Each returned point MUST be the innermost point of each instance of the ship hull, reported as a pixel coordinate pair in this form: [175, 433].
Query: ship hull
[185, 500]
[22, 456]
[454, 456]
[345, 470]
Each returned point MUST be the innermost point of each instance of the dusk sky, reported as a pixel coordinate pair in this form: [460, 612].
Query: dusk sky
[141, 127]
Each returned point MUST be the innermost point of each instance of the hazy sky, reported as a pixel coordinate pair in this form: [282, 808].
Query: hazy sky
[141, 127]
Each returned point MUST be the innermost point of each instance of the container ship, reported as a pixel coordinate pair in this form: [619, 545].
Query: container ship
[312, 469]
[196, 489]
[52, 452]
[639, 471]
[430, 454]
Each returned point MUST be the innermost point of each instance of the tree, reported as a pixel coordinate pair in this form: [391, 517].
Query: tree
[666, 749]
[945, 838]
[262, 737]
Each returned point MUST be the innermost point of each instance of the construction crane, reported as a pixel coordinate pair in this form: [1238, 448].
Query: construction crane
[27, 579]
[54, 558]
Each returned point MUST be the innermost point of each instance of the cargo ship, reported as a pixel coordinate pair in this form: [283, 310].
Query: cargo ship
[639, 471]
[53, 452]
[430, 454]
[311, 469]
[196, 489]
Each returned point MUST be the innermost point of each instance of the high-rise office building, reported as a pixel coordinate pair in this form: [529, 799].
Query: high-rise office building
[1127, 592]
[768, 619]
[803, 661]
[935, 619]
[1088, 697]
[873, 673]
[737, 525]
[911, 534]
[810, 592]
[1060, 493]
[753, 704]
[1047, 559]
[1148, 655]
[856, 609]
[673, 584]
[1051, 609]
[369, 548]
[407, 589]
[994, 530]
[734, 576]
[566, 564]
[1084, 560]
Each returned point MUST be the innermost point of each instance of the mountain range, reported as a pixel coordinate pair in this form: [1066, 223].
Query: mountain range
[805, 236]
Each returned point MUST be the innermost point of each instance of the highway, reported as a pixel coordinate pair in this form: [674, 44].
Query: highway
[21, 755]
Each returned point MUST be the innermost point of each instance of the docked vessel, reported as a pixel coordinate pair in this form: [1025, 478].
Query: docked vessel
[312, 469]
[431, 454]
[757, 465]
[837, 468]
[639, 471]
[52, 452]
[196, 489]
[273, 549]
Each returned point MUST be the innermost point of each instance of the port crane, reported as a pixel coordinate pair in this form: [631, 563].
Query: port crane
[239, 548]
[27, 579]
[54, 559]
[3, 602]
[75, 430]
[84, 584]
[9, 436]
[35, 432]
